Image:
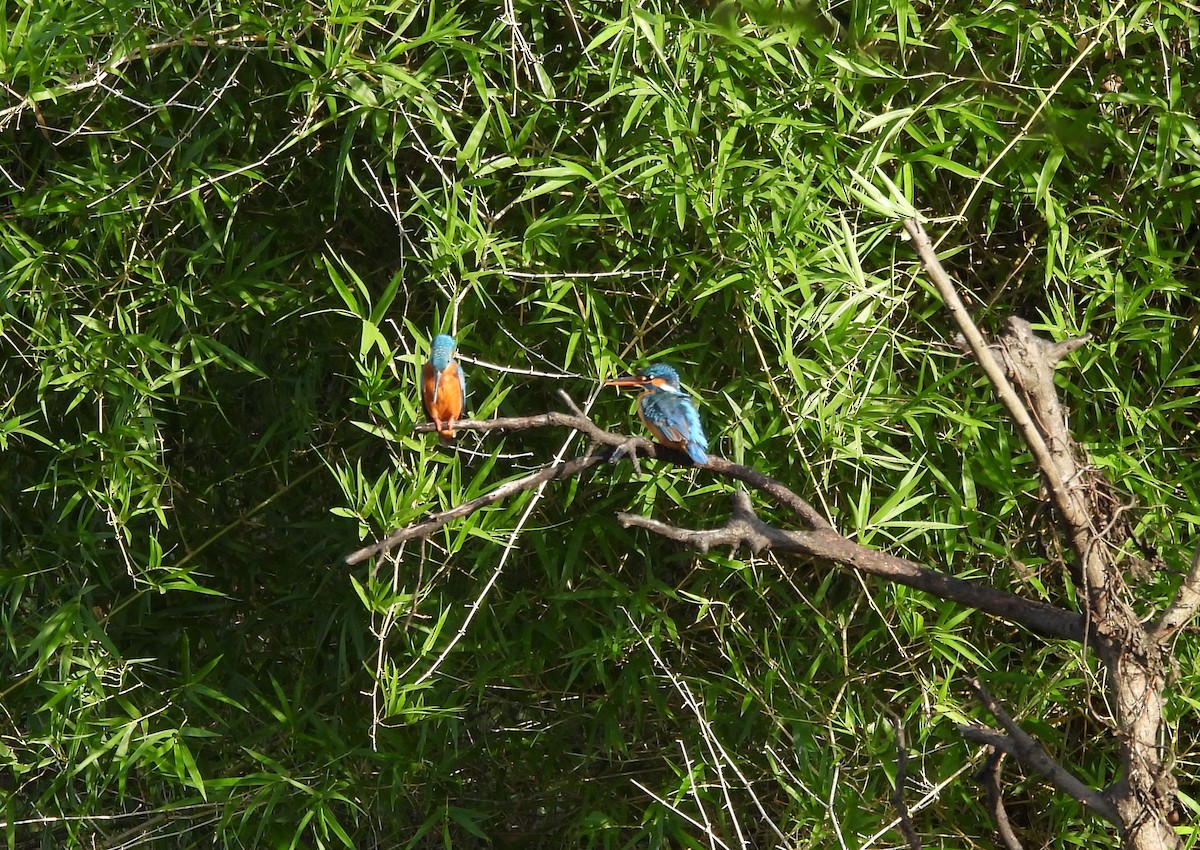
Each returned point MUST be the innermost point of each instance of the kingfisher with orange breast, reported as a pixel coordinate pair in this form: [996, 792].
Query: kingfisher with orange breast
[443, 386]
[667, 410]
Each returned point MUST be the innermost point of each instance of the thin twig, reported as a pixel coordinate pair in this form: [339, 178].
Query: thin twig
[989, 775]
[624, 274]
[706, 731]
[509, 548]
[831, 809]
[695, 792]
[102, 71]
[929, 797]
[556, 471]
[906, 824]
[716, 749]
[513, 370]
[1022, 134]
[667, 804]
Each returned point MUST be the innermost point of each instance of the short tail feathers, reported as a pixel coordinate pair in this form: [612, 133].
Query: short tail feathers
[696, 452]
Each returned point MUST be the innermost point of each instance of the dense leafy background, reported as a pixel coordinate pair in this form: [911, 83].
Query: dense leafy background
[228, 231]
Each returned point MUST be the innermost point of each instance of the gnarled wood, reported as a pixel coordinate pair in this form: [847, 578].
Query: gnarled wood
[1136, 658]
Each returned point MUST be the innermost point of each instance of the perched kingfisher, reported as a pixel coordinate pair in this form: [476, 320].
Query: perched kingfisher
[443, 386]
[667, 410]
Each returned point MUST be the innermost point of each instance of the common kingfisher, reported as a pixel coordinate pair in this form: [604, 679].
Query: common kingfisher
[667, 410]
[443, 386]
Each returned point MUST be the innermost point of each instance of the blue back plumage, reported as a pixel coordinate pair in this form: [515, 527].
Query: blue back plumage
[670, 410]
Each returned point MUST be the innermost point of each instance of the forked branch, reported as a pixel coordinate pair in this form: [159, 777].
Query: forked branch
[1017, 743]
[990, 776]
[996, 374]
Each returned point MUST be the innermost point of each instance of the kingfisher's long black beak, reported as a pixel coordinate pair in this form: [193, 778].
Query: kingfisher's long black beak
[628, 381]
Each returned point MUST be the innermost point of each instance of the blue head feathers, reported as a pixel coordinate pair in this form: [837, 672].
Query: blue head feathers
[441, 350]
[665, 372]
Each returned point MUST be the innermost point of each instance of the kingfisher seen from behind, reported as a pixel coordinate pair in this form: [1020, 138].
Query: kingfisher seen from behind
[443, 386]
[667, 410]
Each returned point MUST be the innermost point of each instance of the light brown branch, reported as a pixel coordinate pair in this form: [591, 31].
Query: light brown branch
[995, 372]
[1183, 607]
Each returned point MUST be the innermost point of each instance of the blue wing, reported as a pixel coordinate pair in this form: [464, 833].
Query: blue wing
[462, 382]
[676, 418]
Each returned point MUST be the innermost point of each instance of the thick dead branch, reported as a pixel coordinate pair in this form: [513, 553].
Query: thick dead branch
[780, 494]
[618, 446]
[744, 528]
[997, 375]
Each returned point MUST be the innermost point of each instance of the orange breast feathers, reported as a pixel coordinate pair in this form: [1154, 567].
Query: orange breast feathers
[445, 396]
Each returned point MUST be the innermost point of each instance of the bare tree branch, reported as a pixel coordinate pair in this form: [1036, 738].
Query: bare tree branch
[770, 487]
[553, 472]
[906, 824]
[619, 445]
[1018, 744]
[782, 495]
[989, 775]
[1183, 607]
[1136, 657]
[744, 528]
[996, 374]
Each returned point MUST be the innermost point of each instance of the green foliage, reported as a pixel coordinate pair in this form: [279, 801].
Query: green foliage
[230, 231]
